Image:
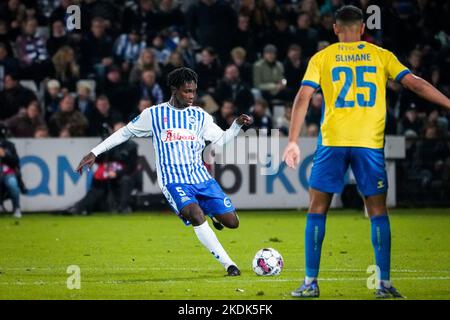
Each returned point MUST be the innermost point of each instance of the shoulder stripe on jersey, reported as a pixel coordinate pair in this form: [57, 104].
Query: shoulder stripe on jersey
[402, 74]
[310, 84]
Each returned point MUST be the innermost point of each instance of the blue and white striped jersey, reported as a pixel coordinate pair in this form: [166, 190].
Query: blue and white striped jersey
[179, 137]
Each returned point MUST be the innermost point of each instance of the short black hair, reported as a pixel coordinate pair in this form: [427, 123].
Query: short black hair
[349, 14]
[180, 76]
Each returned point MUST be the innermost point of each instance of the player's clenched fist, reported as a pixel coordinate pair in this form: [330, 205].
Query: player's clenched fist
[88, 160]
[291, 155]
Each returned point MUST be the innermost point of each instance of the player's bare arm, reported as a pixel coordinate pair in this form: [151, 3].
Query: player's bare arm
[291, 154]
[424, 89]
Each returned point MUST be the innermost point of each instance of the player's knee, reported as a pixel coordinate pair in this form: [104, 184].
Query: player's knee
[318, 208]
[194, 214]
[376, 211]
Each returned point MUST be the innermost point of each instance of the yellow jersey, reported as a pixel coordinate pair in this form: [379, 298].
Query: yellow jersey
[353, 76]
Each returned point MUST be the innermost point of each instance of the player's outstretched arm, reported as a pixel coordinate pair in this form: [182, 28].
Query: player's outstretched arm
[118, 137]
[424, 89]
[291, 154]
[217, 136]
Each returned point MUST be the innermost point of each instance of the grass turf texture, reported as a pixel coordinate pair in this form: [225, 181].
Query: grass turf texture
[153, 256]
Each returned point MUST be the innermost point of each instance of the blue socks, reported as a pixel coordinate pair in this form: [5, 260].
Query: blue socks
[381, 241]
[314, 234]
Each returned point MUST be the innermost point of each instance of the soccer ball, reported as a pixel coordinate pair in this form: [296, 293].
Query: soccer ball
[268, 262]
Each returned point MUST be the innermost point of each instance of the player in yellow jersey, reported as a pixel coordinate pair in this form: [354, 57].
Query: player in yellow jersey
[352, 75]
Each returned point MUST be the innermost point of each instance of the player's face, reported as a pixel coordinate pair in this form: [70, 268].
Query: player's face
[186, 93]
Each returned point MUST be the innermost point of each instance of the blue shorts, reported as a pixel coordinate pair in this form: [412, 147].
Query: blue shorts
[208, 195]
[331, 163]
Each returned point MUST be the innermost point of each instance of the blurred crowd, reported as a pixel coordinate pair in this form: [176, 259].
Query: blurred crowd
[250, 56]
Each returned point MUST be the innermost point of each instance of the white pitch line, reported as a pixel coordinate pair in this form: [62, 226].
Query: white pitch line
[199, 269]
[118, 282]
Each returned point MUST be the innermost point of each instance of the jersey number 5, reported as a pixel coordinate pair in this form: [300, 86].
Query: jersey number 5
[360, 83]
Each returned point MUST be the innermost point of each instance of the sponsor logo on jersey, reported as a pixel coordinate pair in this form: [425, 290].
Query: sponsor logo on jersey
[185, 199]
[191, 120]
[227, 202]
[171, 135]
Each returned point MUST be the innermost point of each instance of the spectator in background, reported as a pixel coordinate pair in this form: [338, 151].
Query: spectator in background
[175, 61]
[32, 52]
[162, 53]
[280, 35]
[14, 96]
[212, 24]
[245, 37]
[325, 30]
[25, 122]
[96, 49]
[208, 70]
[232, 88]
[115, 172]
[103, 117]
[225, 115]
[10, 177]
[411, 121]
[170, 15]
[116, 90]
[294, 69]
[283, 122]
[238, 58]
[261, 115]
[66, 70]
[13, 12]
[58, 37]
[305, 35]
[147, 88]
[187, 52]
[128, 48]
[432, 152]
[146, 61]
[144, 16]
[83, 101]
[8, 64]
[41, 132]
[314, 113]
[67, 121]
[141, 106]
[268, 75]
[52, 98]
[5, 37]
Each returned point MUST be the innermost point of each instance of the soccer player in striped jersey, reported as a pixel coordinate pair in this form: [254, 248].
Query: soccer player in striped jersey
[352, 75]
[178, 131]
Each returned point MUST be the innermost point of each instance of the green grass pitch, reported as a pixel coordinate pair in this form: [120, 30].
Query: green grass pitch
[154, 256]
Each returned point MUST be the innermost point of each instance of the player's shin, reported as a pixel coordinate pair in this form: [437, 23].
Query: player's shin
[381, 241]
[314, 235]
[208, 238]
